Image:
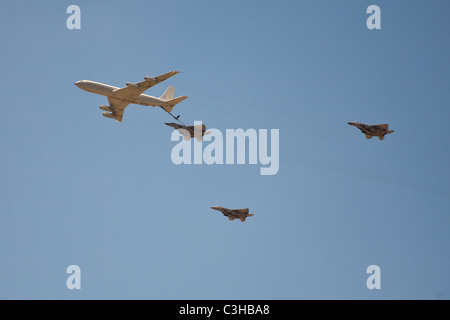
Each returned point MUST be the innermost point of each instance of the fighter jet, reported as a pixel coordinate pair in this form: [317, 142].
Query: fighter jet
[232, 214]
[189, 132]
[120, 98]
[378, 130]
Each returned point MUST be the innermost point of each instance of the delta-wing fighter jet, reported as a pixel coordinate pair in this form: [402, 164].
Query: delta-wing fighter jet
[377, 130]
[232, 214]
[189, 132]
[120, 98]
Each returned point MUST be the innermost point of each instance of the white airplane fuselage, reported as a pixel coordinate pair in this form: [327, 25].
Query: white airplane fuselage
[107, 90]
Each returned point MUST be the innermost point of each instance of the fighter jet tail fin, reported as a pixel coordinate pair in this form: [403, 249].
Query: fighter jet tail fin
[390, 131]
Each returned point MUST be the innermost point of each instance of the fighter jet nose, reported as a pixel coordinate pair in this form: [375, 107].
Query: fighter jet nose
[215, 208]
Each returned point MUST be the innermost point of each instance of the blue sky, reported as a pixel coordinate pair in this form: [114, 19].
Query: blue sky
[78, 188]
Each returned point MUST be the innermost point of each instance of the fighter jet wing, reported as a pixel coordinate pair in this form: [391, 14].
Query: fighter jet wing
[133, 90]
[174, 125]
[183, 130]
[382, 126]
[118, 107]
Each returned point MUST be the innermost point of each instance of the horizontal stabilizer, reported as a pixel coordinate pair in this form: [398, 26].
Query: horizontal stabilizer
[176, 100]
[173, 102]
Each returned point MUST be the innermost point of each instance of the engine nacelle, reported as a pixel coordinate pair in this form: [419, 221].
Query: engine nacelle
[150, 79]
[134, 85]
[106, 108]
[108, 115]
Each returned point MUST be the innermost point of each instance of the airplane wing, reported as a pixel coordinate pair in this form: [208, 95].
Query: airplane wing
[118, 107]
[133, 90]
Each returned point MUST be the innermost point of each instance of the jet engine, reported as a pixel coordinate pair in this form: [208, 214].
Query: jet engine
[108, 115]
[106, 108]
[134, 85]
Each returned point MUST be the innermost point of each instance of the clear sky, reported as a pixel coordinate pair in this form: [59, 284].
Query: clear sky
[81, 189]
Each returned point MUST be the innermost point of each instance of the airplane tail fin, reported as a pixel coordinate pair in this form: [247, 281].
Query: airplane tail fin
[173, 102]
[390, 131]
[168, 94]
